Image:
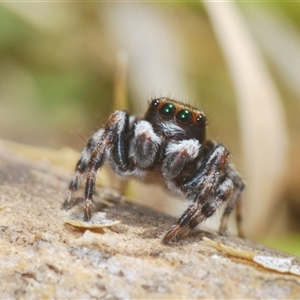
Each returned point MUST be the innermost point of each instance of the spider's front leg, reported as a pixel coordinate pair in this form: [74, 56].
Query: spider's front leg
[206, 189]
[112, 145]
[81, 166]
[106, 142]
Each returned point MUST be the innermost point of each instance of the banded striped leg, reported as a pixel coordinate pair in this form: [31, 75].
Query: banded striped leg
[205, 189]
[196, 212]
[81, 166]
[223, 193]
[234, 202]
[111, 144]
[94, 154]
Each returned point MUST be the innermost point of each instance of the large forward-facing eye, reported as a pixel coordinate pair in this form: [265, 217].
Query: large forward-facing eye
[184, 116]
[168, 110]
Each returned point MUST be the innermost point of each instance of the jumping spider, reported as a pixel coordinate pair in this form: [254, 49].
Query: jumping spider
[170, 142]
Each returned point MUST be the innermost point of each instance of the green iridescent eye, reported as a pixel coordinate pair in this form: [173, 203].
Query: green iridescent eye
[184, 116]
[168, 110]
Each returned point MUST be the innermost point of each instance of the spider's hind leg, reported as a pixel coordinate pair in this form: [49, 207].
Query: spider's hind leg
[234, 202]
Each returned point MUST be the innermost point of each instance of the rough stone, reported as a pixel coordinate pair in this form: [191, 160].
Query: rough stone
[43, 257]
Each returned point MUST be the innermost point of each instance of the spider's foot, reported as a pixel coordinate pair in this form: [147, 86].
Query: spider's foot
[170, 235]
[66, 205]
[88, 209]
[69, 203]
[87, 216]
[222, 232]
[175, 234]
[241, 233]
[223, 227]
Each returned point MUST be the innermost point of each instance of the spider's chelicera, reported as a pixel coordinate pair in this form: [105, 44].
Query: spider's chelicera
[170, 142]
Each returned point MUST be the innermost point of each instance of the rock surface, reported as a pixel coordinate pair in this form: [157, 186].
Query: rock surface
[42, 257]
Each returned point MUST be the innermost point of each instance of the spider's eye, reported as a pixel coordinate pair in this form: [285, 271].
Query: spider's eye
[200, 120]
[184, 116]
[155, 102]
[168, 110]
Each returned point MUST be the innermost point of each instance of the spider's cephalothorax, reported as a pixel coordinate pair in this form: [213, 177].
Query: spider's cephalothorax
[170, 142]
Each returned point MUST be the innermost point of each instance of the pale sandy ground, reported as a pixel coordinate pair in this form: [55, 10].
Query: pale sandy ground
[42, 257]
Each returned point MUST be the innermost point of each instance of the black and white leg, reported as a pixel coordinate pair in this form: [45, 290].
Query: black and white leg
[233, 202]
[177, 155]
[81, 166]
[94, 154]
[206, 189]
[112, 145]
[222, 193]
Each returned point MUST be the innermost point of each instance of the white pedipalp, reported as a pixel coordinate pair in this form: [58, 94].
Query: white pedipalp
[172, 129]
[144, 127]
[191, 147]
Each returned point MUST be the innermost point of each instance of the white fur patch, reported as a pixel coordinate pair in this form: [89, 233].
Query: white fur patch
[172, 129]
[86, 153]
[144, 127]
[226, 187]
[119, 117]
[135, 173]
[97, 135]
[191, 147]
[133, 119]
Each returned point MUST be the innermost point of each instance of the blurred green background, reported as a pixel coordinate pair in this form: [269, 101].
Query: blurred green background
[58, 81]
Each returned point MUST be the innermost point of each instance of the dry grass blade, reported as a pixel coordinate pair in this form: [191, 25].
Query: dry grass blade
[263, 128]
[120, 92]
